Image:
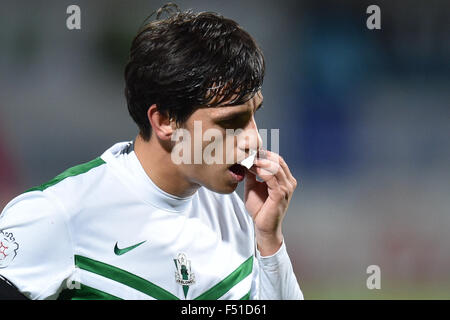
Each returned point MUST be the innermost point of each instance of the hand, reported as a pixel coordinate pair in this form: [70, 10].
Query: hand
[268, 201]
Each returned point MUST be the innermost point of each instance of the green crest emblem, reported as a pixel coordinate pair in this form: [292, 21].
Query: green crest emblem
[183, 273]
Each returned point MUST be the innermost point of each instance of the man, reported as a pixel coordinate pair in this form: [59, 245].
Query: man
[135, 224]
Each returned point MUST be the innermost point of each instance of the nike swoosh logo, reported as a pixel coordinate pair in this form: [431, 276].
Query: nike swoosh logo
[120, 252]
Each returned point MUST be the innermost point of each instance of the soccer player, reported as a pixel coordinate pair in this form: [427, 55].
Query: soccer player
[135, 224]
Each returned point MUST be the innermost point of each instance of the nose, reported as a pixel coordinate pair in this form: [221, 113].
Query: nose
[249, 139]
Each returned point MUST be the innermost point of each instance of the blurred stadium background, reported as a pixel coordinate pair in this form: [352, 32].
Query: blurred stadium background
[363, 117]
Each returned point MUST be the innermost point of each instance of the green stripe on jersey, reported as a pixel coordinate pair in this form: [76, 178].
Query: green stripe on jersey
[246, 297]
[124, 277]
[74, 171]
[85, 293]
[151, 289]
[229, 282]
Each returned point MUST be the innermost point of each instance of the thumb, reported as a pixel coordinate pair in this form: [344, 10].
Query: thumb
[252, 183]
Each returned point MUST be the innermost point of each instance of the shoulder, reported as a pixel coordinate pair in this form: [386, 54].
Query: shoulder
[74, 185]
[67, 188]
[36, 244]
[75, 176]
[31, 205]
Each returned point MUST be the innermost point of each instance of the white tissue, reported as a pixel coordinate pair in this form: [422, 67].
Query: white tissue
[248, 162]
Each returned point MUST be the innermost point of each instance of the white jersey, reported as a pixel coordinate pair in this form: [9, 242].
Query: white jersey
[104, 230]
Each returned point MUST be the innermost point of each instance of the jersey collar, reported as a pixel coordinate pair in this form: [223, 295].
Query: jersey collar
[123, 155]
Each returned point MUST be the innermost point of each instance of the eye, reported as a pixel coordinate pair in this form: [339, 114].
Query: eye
[229, 123]
[235, 122]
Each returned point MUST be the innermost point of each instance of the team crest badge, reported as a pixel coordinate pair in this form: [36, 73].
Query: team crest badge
[8, 248]
[183, 273]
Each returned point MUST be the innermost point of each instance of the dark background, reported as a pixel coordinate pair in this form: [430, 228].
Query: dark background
[363, 118]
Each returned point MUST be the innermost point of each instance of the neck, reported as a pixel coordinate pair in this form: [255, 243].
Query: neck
[158, 165]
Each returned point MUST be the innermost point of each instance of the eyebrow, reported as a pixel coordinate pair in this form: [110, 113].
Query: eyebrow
[233, 114]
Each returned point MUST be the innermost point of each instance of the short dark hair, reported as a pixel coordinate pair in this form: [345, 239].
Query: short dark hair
[187, 61]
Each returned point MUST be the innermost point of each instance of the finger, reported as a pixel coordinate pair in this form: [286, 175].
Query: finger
[266, 176]
[287, 171]
[257, 170]
[250, 178]
[275, 169]
[279, 159]
[268, 165]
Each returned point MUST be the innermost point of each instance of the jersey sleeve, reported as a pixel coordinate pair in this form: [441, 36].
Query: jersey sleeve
[36, 253]
[274, 278]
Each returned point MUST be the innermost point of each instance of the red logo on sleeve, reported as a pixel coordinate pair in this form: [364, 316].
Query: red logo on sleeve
[8, 248]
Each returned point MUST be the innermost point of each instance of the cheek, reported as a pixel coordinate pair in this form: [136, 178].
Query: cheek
[218, 150]
[210, 144]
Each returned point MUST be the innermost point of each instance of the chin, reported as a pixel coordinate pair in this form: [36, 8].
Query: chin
[224, 188]
[229, 189]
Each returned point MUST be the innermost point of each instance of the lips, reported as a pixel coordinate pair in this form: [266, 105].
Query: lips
[238, 171]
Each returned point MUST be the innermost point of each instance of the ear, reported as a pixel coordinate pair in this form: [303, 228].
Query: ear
[161, 124]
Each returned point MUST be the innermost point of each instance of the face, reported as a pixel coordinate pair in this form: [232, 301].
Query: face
[227, 134]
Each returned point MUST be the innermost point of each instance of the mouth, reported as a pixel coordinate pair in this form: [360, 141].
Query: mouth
[237, 172]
